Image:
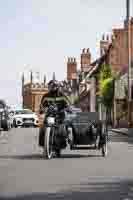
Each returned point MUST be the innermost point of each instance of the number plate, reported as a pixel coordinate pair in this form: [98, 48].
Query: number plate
[28, 121]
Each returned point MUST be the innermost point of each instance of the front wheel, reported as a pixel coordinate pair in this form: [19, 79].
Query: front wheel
[14, 124]
[58, 153]
[5, 126]
[48, 142]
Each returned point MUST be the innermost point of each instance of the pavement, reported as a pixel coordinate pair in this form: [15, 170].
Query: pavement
[121, 130]
[80, 174]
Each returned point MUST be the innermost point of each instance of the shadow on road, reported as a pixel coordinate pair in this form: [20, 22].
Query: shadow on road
[92, 190]
[130, 136]
[40, 156]
[23, 157]
[64, 156]
[117, 137]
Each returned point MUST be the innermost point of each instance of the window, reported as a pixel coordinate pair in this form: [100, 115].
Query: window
[20, 112]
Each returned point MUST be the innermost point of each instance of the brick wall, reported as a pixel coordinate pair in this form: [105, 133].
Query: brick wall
[32, 95]
[118, 57]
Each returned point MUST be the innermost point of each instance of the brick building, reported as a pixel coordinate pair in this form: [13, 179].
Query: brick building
[81, 96]
[113, 52]
[117, 48]
[32, 93]
[85, 66]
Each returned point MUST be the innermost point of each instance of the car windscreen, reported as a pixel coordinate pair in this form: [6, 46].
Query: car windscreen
[21, 112]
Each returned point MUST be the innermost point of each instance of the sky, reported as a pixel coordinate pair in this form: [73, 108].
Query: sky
[39, 35]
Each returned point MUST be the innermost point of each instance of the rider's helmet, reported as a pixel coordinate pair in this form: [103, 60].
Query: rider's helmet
[53, 86]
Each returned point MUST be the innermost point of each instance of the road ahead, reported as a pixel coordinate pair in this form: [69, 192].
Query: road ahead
[24, 174]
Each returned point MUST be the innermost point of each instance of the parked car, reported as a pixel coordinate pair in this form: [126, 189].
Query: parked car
[5, 122]
[24, 118]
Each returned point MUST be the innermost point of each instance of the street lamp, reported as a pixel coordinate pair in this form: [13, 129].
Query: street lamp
[129, 65]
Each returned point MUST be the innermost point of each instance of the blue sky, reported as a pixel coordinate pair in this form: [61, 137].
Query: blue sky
[39, 34]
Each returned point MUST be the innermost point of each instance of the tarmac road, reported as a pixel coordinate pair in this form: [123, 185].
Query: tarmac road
[24, 174]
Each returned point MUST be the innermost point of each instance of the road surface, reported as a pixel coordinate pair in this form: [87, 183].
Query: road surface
[25, 175]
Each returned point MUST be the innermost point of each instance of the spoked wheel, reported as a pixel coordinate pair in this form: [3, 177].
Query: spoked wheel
[104, 146]
[14, 124]
[58, 153]
[48, 142]
[97, 142]
[105, 130]
[70, 137]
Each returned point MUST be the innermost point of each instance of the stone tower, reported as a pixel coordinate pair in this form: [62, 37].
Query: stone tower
[32, 93]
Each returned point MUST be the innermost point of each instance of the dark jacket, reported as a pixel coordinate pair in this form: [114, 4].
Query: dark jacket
[59, 98]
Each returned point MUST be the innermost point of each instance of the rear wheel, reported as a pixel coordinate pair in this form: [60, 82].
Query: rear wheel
[48, 142]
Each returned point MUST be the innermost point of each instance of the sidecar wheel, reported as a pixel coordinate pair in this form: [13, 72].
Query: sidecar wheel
[104, 147]
[48, 142]
[70, 137]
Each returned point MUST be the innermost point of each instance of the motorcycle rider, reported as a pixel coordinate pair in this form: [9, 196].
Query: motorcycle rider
[54, 95]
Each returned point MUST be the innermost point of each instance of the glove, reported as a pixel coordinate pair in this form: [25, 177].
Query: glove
[40, 112]
[68, 109]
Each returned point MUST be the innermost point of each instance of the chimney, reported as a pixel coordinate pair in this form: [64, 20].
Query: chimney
[71, 68]
[85, 59]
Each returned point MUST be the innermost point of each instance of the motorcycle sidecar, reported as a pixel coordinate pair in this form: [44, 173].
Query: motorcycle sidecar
[86, 131]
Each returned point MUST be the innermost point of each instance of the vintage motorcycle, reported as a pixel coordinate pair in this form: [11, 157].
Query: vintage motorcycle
[78, 130]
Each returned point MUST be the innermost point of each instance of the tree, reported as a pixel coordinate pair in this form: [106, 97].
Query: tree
[106, 89]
